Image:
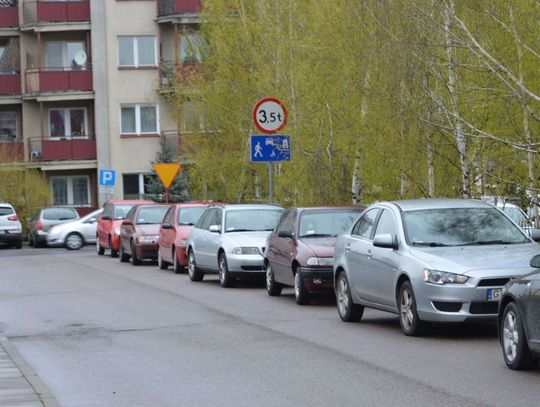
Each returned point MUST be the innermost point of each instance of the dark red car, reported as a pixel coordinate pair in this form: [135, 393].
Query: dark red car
[139, 233]
[174, 232]
[299, 252]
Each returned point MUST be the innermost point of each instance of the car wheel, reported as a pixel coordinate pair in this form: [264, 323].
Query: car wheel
[18, 244]
[114, 253]
[301, 295]
[73, 241]
[225, 278]
[516, 352]
[99, 248]
[178, 268]
[348, 311]
[272, 288]
[162, 264]
[124, 258]
[194, 273]
[411, 325]
[134, 259]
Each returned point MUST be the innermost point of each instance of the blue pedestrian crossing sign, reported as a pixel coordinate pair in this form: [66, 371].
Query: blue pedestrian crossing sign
[270, 148]
[107, 178]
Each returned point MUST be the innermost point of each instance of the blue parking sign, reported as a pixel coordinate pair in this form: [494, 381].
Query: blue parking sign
[270, 148]
[107, 178]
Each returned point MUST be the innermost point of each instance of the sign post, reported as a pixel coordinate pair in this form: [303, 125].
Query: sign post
[166, 172]
[106, 181]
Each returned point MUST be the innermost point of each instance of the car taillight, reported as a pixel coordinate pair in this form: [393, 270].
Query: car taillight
[13, 218]
[39, 225]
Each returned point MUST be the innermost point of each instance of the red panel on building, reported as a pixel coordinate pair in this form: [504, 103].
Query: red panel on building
[11, 152]
[55, 81]
[53, 150]
[59, 11]
[188, 6]
[9, 17]
[10, 84]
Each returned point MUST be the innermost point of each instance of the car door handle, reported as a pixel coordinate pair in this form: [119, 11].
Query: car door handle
[368, 254]
[348, 247]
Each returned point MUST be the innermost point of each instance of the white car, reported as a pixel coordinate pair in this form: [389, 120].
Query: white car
[75, 234]
[10, 226]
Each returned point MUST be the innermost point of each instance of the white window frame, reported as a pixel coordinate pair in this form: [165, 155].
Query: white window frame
[65, 62]
[137, 107]
[135, 39]
[67, 123]
[16, 122]
[69, 179]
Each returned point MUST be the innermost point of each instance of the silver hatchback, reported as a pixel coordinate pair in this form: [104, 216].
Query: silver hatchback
[429, 261]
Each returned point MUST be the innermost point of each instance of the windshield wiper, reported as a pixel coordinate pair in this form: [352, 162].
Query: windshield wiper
[430, 244]
[487, 242]
[318, 235]
[147, 223]
[240, 230]
[186, 224]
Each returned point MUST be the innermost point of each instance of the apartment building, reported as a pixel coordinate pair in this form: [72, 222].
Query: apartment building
[83, 86]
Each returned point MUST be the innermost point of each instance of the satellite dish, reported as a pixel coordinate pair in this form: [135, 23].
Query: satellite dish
[80, 58]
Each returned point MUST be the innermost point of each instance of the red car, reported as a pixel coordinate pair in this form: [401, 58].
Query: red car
[108, 225]
[173, 234]
[139, 233]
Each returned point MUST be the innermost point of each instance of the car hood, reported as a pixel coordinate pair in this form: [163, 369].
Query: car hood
[148, 230]
[321, 247]
[492, 260]
[246, 239]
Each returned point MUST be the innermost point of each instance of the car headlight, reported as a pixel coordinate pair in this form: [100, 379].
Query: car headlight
[245, 250]
[442, 277]
[117, 231]
[147, 239]
[320, 261]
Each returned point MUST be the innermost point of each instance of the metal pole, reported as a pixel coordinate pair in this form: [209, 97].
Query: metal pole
[270, 184]
[166, 195]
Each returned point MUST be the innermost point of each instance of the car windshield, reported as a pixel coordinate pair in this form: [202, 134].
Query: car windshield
[249, 220]
[5, 210]
[120, 211]
[189, 216]
[59, 214]
[151, 215]
[325, 224]
[460, 227]
[517, 215]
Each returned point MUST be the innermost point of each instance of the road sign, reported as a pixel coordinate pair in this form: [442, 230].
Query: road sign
[106, 190]
[270, 115]
[107, 178]
[166, 172]
[270, 148]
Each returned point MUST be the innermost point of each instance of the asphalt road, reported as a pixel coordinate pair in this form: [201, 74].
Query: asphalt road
[102, 333]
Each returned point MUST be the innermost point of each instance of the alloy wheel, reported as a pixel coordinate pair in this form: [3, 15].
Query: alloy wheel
[74, 241]
[510, 336]
[405, 309]
[343, 302]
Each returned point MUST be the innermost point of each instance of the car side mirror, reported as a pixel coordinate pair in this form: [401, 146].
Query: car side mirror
[127, 222]
[286, 234]
[214, 229]
[385, 240]
[535, 234]
[535, 261]
[167, 226]
[105, 217]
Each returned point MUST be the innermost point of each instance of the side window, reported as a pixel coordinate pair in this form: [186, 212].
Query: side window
[131, 214]
[364, 226]
[386, 224]
[287, 221]
[209, 219]
[219, 217]
[202, 220]
[168, 218]
[108, 211]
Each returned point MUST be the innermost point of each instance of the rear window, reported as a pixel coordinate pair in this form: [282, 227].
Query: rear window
[120, 211]
[59, 214]
[151, 215]
[6, 210]
[190, 216]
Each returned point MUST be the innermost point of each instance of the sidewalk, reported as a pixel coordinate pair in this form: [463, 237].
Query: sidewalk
[19, 385]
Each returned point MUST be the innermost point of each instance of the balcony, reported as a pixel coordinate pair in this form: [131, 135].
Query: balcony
[10, 83]
[70, 11]
[171, 7]
[58, 80]
[172, 74]
[10, 152]
[9, 17]
[62, 149]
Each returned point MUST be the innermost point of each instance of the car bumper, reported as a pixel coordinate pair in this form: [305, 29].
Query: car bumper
[55, 241]
[147, 251]
[245, 264]
[318, 280]
[10, 237]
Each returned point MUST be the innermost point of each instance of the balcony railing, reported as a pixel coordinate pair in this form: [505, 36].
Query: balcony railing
[9, 16]
[169, 7]
[36, 11]
[65, 148]
[58, 80]
[10, 83]
[12, 151]
[172, 74]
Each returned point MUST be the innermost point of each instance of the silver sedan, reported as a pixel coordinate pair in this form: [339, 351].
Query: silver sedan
[75, 234]
[429, 261]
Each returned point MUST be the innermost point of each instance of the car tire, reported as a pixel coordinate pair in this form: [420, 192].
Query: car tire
[18, 244]
[73, 241]
[134, 259]
[114, 253]
[225, 278]
[162, 264]
[124, 258]
[516, 352]
[193, 271]
[178, 268]
[348, 311]
[273, 288]
[301, 294]
[410, 323]
[99, 248]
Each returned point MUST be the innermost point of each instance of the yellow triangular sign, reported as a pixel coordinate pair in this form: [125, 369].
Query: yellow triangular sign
[166, 172]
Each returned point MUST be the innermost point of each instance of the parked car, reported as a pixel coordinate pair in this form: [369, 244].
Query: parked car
[75, 234]
[174, 232]
[108, 226]
[45, 219]
[10, 226]
[519, 319]
[429, 261]
[299, 251]
[139, 233]
[230, 240]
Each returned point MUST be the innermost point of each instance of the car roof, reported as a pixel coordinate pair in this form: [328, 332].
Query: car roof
[192, 204]
[329, 208]
[126, 201]
[246, 206]
[423, 204]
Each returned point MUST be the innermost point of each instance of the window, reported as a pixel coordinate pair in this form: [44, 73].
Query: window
[73, 190]
[135, 185]
[60, 214]
[139, 119]
[67, 122]
[8, 126]
[364, 226]
[190, 216]
[63, 54]
[191, 48]
[137, 51]
[386, 224]
[288, 219]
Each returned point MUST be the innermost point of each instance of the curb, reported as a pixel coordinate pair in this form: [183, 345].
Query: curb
[42, 392]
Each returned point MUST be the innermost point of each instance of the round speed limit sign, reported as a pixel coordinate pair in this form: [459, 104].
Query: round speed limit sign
[270, 115]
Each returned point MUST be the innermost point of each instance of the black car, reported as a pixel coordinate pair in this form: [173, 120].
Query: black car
[519, 320]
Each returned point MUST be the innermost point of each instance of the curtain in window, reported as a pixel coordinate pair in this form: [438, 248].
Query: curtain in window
[57, 123]
[147, 53]
[126, 51]
[72, 49]
[148, 119]
[80, 191]
[77, 122]
[128, 120]
[8, 126]
[53, 55]
[60, 191]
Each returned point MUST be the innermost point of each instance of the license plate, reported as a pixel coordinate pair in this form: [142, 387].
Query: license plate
[494, 294]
